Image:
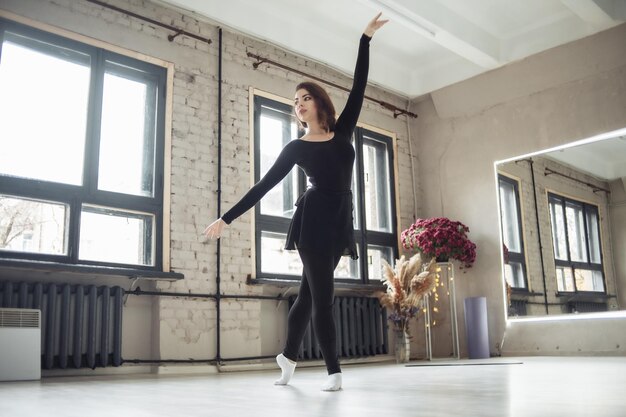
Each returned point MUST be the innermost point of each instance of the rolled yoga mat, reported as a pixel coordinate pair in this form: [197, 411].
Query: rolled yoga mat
[476, 327]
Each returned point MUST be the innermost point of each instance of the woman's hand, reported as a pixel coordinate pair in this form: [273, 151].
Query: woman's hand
[214, 230]
[374, 25]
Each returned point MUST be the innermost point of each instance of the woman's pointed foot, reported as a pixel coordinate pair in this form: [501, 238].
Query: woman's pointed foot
[333, 383]
[287, 367]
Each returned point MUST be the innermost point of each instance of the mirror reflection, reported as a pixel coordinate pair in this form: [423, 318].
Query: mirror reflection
[563, 225]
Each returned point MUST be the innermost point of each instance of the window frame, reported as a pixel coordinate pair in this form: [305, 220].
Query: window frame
[519, 257]
[363, 236]
[275, 224]
[265, 222]
[87, 194]
[573, 265]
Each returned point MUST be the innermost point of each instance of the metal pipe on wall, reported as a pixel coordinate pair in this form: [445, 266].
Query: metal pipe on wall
[595, 188]
[216, 360]
[218, 356]
[543, 269]
[177, 31]
[396, 110]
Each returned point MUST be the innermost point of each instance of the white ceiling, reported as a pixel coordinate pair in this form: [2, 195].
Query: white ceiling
[428, 44]
[604, 159]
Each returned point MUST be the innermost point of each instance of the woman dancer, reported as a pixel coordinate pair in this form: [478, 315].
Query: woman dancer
[321, 227]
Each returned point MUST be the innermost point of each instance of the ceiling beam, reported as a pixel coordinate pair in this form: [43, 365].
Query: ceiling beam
[444, 27]
[589, 11]
[614, 8]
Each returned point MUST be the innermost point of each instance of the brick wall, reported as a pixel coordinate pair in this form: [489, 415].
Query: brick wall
[186, 327]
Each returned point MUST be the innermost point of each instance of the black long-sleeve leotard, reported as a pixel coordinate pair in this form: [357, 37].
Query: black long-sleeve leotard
[323, 217]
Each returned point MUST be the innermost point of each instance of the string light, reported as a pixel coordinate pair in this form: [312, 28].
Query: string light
[433, 311]
[435, 293]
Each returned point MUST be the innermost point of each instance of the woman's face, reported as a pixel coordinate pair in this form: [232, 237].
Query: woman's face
[304, 105]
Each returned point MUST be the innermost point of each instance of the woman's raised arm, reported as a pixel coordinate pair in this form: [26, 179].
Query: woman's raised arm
[373, 25]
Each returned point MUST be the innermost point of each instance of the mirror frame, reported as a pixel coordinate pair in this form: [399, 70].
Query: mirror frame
[553, 317]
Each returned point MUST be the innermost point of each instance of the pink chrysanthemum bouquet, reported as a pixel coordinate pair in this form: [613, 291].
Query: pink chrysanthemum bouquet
[440, 238]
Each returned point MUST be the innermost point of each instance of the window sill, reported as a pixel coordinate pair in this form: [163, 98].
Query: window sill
[523, 293]
[340, 287]
[54, 267]
[589, 296]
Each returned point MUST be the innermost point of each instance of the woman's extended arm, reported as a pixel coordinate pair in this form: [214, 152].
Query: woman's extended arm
[281, 167]
[350, 114]
[374, 25]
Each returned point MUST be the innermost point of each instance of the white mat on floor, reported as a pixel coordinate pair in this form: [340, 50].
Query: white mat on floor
[465, 362]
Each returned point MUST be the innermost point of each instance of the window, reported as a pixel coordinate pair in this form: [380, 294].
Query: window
[510, 213]
[81, 167]
[373, 193]
[576, 242]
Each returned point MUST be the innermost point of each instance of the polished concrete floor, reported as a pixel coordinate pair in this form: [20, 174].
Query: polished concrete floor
[520, 387]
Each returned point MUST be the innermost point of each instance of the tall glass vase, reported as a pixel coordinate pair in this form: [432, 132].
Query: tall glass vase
[440, 318]
[403, 346]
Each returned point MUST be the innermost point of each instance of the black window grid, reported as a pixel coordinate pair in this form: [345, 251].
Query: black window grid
[560, 202]
[518, 257]
[280, 225]
[88, 194]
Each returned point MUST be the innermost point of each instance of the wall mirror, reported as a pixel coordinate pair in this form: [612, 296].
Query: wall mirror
[563, 228]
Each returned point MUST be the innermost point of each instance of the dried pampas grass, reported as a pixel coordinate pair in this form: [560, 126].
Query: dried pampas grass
[406, 284]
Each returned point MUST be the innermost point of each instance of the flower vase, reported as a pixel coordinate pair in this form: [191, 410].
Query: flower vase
[403, 346]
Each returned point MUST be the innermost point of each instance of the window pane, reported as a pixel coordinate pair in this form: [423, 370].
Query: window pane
[564, 279]
[33, 226]
[377, 182]
[587, 280]
[510, 225]
[127, 137]
[275, 259]
[108, 235]
[576, 232]
[514, 274]
[558, 230]
[594, 236]
[275, 133]
[375, 257]
[355, 199]
[43, 110]
[347, 268]
[598, 281]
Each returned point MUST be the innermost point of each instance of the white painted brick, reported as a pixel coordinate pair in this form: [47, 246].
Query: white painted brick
[194, 156]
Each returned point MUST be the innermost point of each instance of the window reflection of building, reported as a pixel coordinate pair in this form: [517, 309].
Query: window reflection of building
[574, 276]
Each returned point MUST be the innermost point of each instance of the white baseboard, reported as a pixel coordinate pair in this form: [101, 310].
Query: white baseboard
[196, 369]
[186, 369]
[113, 370]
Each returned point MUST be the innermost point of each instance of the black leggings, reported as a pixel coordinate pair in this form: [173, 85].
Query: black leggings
[317, 296]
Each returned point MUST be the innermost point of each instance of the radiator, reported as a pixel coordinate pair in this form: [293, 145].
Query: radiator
[81, 325]
[586, 307]
[518, 308]
[361, 326]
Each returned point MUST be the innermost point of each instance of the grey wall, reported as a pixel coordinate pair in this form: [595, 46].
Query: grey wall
[617, 216]
[552, 98]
